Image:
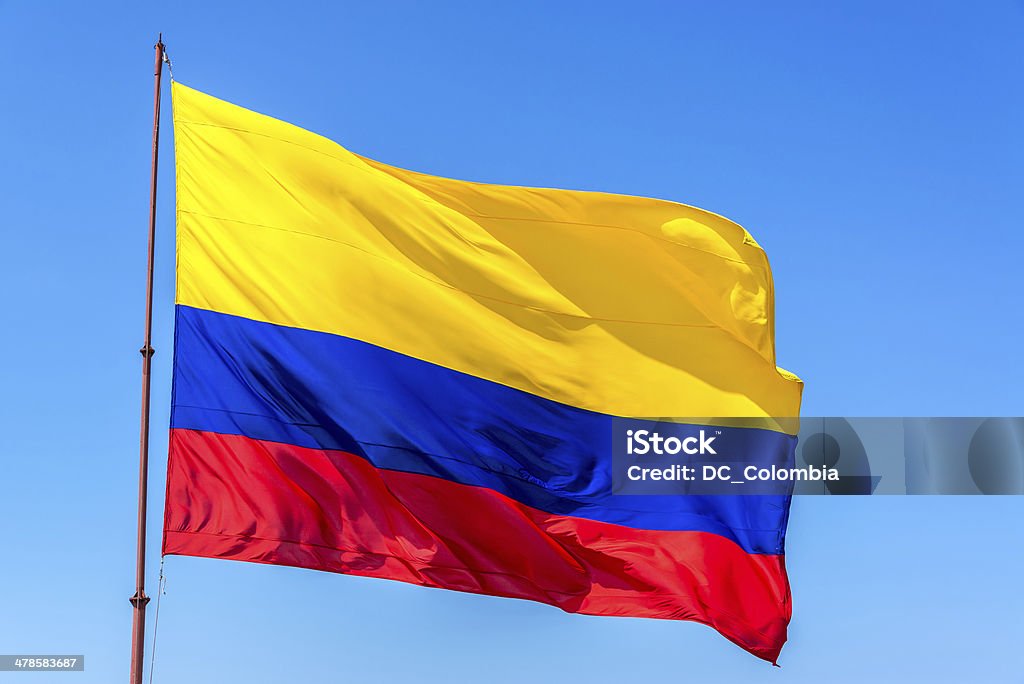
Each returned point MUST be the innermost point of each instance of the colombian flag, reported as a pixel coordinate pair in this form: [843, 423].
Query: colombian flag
[383, 373]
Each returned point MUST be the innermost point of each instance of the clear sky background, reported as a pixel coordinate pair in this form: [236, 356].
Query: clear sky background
[874, 149]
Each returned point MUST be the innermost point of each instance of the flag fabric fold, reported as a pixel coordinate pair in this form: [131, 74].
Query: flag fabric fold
[383, 373]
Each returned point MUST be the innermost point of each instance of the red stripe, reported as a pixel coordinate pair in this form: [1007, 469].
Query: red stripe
[233, 497]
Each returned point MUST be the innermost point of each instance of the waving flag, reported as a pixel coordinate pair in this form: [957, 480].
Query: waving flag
[383, 373]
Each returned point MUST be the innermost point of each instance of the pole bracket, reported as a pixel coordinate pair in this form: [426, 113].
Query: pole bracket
[147, 351]
[139, 600]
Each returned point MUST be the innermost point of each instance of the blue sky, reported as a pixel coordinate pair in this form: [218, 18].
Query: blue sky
[873, 148]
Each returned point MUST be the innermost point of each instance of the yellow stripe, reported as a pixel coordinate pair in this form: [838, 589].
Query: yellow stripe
[623, 305]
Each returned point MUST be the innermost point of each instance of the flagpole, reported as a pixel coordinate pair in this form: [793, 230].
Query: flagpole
[139, 599]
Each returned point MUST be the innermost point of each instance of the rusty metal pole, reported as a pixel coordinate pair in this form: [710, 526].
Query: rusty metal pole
[139, 599]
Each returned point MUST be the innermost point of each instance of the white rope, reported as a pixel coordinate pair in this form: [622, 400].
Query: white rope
[170, 72]
[161, 589]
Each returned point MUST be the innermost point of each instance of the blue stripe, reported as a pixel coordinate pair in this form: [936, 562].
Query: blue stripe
[237, 376]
